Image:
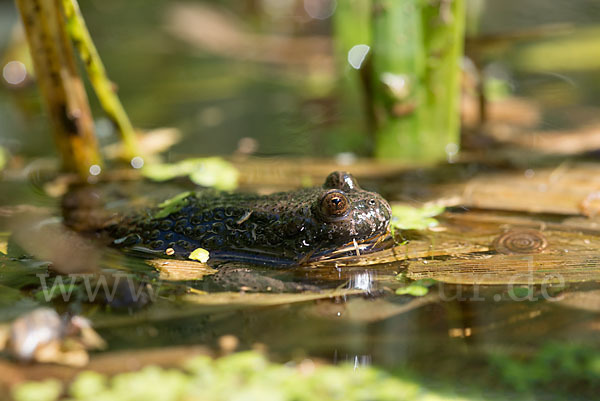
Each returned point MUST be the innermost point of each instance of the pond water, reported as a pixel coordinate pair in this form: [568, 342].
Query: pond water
[448, 307]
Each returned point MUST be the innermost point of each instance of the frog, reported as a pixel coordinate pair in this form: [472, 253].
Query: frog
[336, 219]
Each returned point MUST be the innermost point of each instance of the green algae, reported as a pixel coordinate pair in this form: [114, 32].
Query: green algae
[560, 365]
[241, 376]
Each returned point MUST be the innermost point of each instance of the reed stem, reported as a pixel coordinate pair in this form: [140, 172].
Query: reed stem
[60, 85]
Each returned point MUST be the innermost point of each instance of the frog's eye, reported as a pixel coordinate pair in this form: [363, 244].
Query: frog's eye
[334, 204]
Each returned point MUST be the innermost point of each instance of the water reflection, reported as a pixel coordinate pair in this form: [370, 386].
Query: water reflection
[362, 281]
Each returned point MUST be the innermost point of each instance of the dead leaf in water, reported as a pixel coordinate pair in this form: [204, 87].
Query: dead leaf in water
[264, 299]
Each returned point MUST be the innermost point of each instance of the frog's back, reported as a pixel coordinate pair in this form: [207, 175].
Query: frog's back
[281, 228]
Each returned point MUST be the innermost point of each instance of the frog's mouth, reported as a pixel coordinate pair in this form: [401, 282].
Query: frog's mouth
[354, 249]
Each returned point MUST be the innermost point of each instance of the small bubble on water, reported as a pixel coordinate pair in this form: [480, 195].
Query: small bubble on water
[137, 162]
[95, 169]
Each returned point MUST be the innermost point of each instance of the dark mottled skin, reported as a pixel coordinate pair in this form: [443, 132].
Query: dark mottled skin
[282, 228]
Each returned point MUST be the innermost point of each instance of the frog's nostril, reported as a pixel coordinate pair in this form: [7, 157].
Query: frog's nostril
[372, 202]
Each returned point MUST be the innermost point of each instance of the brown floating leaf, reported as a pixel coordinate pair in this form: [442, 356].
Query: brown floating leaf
[431, 245]
[264, 299]
[551, 253]
[567, 189]
[510, 269]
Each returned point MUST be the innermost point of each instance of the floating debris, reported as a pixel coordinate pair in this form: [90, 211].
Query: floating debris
[200, 254]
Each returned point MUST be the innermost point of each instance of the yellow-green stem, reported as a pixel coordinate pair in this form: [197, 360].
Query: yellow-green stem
[97, 74]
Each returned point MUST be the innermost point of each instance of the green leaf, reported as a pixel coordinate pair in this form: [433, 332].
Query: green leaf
[412, 218]
[172, 205]
[209, 172]
[199, 254]
[417, 288]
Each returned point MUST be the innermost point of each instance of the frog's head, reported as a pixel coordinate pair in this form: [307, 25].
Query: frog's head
[348, 216]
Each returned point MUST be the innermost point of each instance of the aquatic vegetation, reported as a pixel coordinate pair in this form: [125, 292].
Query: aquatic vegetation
[213, 172]
[416, 288]
[200, 254]
[562, 366]
[172, 205]
[245, 376]
[411, 218]
[46, 390]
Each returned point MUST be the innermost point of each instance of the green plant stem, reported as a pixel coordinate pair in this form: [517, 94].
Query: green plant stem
[103, 87]
[399, 61]
[417, 47]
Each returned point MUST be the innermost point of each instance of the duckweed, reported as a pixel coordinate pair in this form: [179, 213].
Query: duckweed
[243, 376]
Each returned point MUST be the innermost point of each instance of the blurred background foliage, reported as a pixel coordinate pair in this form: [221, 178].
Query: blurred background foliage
[260, 76]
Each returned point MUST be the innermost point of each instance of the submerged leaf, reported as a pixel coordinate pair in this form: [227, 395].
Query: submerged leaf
[417, 288]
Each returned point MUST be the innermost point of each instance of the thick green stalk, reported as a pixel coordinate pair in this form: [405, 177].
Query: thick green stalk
[97, 73]
[417, 48]
[399, 60]
[444, 42]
